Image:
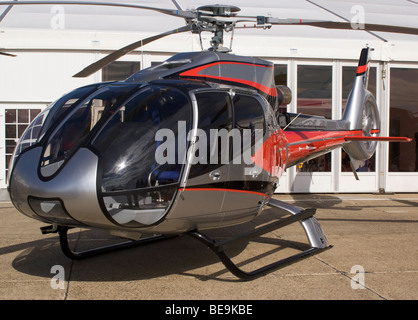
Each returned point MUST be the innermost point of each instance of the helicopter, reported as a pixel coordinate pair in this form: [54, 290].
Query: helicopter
[194, 143]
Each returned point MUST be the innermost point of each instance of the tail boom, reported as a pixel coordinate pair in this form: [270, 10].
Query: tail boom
[306, 145]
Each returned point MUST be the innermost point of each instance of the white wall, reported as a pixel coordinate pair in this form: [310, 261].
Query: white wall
[47, 59]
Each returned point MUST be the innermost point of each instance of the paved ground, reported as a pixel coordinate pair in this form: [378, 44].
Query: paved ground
[376, 233]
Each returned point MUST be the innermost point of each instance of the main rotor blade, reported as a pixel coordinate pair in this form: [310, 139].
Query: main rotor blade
[176, 4]
[367, 27]
[8, 54]
[339, 25]
[121, 52]
[177, 13]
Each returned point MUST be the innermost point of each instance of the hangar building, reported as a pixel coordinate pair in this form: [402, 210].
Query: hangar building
[53, 42]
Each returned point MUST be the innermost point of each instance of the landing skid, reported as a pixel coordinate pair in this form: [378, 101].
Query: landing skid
[312, 228]
[73, 255]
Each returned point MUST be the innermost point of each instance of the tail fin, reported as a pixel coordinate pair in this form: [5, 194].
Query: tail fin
[362, 114]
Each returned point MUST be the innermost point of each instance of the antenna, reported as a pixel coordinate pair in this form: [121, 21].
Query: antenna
[292, 121]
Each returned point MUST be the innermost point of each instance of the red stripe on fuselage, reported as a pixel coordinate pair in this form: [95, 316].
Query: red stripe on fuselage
[195, 73]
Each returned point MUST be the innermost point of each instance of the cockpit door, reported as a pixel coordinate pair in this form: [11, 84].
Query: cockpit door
[247, 181]
[208, 167]
[141, 155]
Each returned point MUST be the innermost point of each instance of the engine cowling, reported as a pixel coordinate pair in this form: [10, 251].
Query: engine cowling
[284, 95]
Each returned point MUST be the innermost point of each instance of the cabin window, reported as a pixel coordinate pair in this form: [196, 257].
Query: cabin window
[17, 122]
[214, 125]
[249, 120]
[72, 131]
[139, 145]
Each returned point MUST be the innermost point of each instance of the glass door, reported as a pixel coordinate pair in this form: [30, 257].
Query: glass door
[314, 97]
[402, 165]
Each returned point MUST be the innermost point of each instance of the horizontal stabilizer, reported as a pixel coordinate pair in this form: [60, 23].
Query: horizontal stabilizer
[390, 139]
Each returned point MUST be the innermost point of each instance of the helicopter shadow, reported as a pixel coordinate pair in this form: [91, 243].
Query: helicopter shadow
[179, 255]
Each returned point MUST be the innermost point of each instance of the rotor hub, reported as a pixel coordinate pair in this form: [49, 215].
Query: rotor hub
[220, 9]
[215, 25]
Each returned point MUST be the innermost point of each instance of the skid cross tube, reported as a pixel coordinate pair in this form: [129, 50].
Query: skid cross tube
[305, 216]
[63, 235]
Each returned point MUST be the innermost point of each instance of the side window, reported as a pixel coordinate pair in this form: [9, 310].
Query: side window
[72, 131]
[128, 144]
[214, 122]
[249, 120]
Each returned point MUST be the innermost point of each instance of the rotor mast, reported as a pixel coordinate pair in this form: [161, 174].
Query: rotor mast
[216, 25]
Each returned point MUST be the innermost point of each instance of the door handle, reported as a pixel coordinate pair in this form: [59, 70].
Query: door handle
[215, 175]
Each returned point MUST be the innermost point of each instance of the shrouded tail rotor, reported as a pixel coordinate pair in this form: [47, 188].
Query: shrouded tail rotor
[362, 113]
